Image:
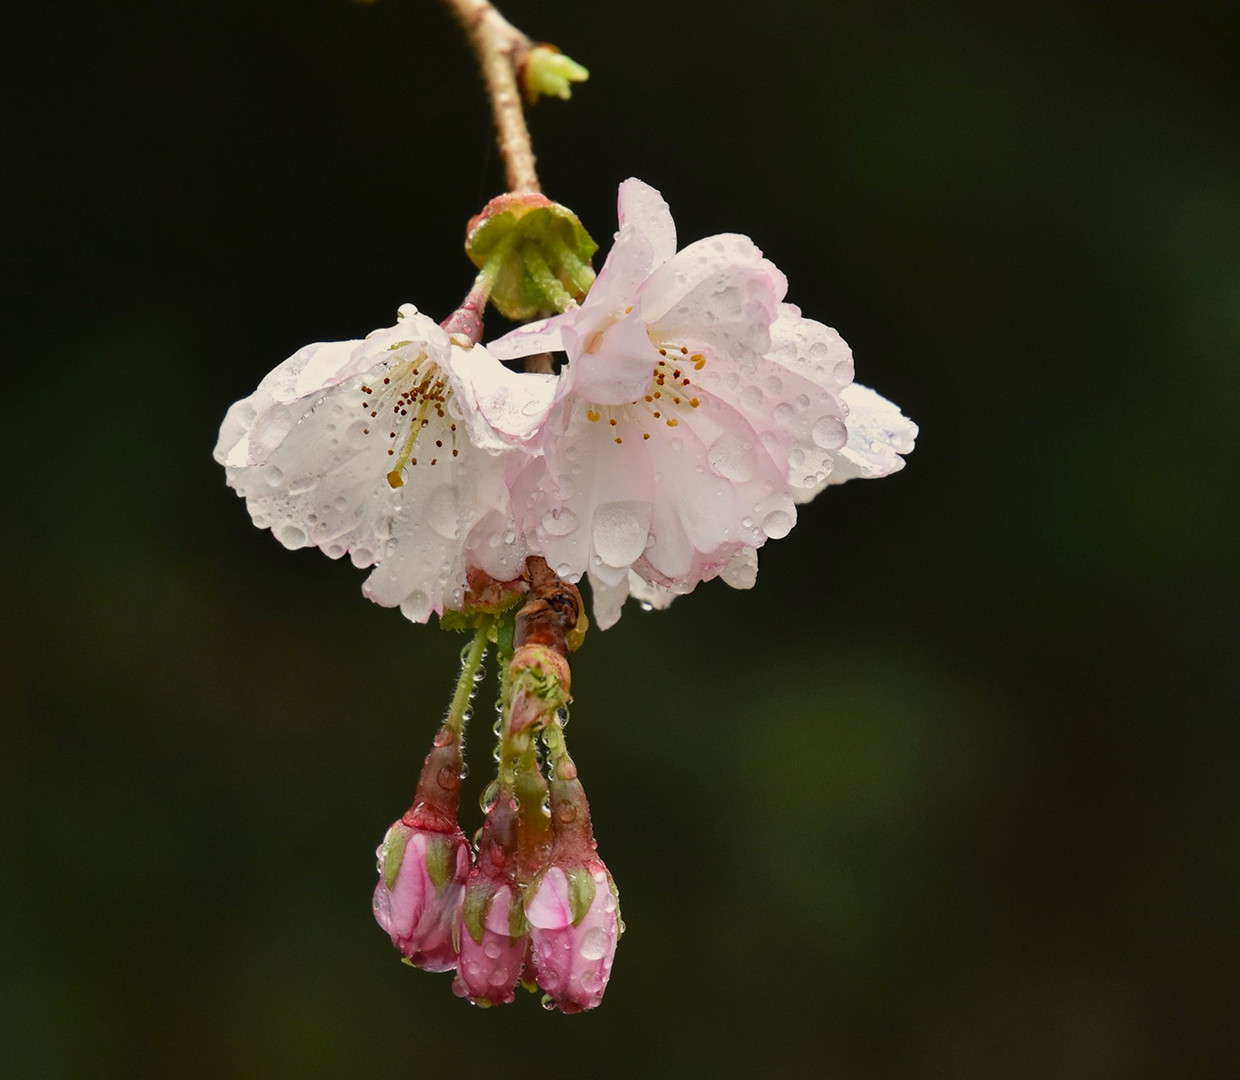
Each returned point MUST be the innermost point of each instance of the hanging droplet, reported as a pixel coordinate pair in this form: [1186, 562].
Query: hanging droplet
[489, 797]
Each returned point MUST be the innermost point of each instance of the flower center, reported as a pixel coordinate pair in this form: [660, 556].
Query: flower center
[669, 393]
[412, 394]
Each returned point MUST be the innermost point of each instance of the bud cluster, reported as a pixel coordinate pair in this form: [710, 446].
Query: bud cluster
[532, 902]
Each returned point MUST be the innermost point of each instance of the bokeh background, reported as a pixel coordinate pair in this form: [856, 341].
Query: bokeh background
[950, 793]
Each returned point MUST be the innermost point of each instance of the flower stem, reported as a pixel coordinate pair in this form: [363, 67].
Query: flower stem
[471, 660]
[466, 320]
[500, 47]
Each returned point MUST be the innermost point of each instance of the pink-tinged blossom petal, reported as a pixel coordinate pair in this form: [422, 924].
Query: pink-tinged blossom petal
[418, 899]
[573, 956]
[377, 449]
[878, 433]
[695, 411]
[488, 969]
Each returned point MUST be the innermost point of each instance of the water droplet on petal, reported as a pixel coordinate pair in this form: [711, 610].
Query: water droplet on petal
[448, 778]
[441, 511]
[594, 944]
[620, 531]
[559, 522]
[829, 432]
[291, 536]
[777, 524]
[732, 457]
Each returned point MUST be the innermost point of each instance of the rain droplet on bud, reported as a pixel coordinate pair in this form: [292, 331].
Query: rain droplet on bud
[444, 736]
[566, 812]
[489, 797]
[448, 778]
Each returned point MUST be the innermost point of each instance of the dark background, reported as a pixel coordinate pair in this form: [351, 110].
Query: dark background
[950, 793]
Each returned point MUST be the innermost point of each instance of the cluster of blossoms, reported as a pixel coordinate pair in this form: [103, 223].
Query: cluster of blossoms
[695, 411]
[692, 412]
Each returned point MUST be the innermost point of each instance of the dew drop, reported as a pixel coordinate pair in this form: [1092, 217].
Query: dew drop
[594, 944]
[292, 536]
[732, 457]
[751, 397]
[783, 413]
[619, 531]
[559, 522]
[448, 779]
[566, 812]
[777, 524]
[829, 432]
[441, 511]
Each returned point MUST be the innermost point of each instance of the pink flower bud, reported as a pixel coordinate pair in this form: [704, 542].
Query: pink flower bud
[491, 956]
[422, 876]
[574, 920]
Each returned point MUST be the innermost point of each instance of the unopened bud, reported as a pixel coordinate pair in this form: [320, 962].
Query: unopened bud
[547, 72]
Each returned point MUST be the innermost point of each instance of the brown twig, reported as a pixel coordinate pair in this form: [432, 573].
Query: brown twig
[500, 47]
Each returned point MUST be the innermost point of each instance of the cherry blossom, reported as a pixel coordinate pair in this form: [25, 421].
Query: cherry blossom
[371, 448]
[695, 411]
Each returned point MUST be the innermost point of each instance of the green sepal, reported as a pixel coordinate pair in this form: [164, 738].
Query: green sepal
[517, 924]
[394, 853]
[474, 910]
[504, 631]
[474, 617]
[581, 889]
[535, 253]
[439, 860]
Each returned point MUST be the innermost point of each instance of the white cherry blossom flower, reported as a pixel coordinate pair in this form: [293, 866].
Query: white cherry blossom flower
[695, 411]
[373, 448]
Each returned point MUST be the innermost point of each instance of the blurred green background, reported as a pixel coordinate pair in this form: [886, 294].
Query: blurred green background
[950, 793]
